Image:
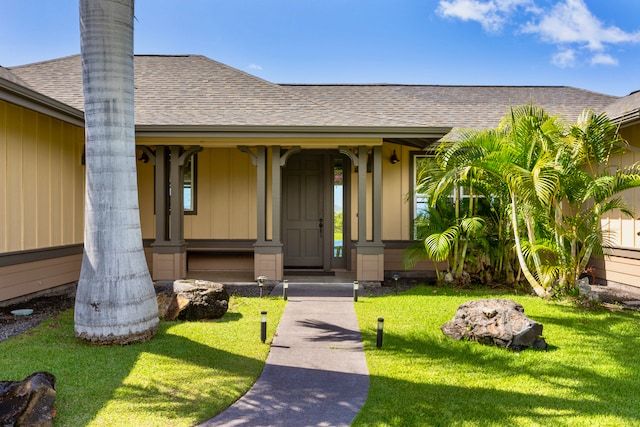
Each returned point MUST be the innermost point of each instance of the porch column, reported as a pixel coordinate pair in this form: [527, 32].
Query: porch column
[170, 248]
[164, 266]
[370, 254]
[268, 257]
[162, 194]
[261, 194]
[377, 195]
[276, 196]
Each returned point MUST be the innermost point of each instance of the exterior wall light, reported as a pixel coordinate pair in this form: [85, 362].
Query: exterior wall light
[394, 158]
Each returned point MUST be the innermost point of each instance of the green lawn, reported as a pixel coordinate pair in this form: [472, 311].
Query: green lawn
[187, 373]
[590, 376]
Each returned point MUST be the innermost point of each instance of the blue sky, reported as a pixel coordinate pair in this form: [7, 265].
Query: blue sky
[591, 44]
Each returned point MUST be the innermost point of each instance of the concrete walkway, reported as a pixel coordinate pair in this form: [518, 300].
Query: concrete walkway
[316, 373]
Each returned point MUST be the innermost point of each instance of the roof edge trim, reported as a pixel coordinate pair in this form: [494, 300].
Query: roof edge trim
[290, 131]
[28, 98]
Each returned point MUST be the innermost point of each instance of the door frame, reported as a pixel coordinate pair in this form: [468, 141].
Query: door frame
[328, 157]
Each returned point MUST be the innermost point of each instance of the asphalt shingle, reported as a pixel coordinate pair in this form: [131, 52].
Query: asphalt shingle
[192, 90]
[625, 109]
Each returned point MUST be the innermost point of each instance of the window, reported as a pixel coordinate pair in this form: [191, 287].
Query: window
[338, 208]
[189, 186]
[420, 201]
[420, 206]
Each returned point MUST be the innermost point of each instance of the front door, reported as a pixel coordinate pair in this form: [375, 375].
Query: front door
[303, 211]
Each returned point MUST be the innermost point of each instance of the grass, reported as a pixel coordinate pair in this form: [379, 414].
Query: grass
[189, 372]
[589, 376]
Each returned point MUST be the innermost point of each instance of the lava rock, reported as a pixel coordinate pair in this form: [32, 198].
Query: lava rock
[192, 300]
[495, 321]
[28, 402]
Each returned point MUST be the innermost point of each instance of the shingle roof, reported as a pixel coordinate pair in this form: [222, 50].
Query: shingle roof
[9, 76]
[192, 90]
[625, 109]
[456, 106]
[16, 91]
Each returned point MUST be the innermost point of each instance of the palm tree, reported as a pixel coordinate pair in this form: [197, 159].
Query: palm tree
[555, 180]
[527, 165]
[115, 300]
[591, 189]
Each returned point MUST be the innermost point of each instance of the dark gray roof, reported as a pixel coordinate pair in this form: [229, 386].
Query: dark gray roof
[455, 106]
[626, 109]
[192, 90]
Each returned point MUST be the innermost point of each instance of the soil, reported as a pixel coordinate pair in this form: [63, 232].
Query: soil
[45, 307]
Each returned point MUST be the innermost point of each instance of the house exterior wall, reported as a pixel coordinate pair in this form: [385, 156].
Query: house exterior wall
[396, 203]
[396, 189]
[146, 199]
[41, 200]
[226, 196]
[226, 205]
[622, 266]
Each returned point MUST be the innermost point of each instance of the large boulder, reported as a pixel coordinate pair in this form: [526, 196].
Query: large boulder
[28, 402]
[495, 321]
[192, 300]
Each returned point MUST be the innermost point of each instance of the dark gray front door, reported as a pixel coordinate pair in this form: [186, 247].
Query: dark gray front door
[302, 211]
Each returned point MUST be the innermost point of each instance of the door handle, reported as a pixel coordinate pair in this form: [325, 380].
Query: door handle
[320, 223]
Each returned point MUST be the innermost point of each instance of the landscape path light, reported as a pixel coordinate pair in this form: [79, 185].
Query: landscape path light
[356, 286]
[261, 280]
[380, 332]
[395, 277]
[285, 289]
[263, 326]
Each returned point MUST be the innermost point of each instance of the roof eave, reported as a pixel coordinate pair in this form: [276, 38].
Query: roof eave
[248, 131]
[628, 119]
[28, 98]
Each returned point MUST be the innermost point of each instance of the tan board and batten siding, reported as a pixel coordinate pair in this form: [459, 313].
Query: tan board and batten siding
[41, 198]
[226, 202]
[208, 104]
[622, 265]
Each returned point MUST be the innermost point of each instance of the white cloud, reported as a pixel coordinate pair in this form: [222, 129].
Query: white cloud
[564, 59]
[491, 14]
[568, 24]
[603, 59]
[254, 67]
[571, 22]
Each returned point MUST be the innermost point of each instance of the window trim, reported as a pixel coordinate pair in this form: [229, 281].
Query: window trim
[193, 161]
[414, 176]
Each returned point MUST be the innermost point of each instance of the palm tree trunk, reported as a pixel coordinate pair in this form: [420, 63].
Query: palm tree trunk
[537, 288]
[115, 300]
[562, 279]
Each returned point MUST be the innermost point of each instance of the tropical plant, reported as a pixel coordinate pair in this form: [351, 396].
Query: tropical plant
[548, 184]
[115, 300]
[592, 189]
[464, 223]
